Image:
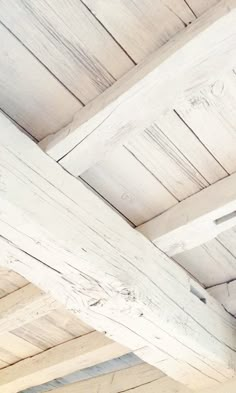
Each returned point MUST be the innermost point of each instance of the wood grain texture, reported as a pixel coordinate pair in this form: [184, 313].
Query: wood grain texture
[104, 270]
[175, 156]
[195, 220]
[23, 306]
[141, 27]
[210, 112]
[129, 186]
[10, 282]
[211, 263]
[66, 37]
[14, 349]
[201, 6]
[41, 107]
[58, 361]
[226, 295]
[136, 100]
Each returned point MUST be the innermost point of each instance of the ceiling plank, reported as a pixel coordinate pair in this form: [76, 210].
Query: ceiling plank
[135, 101]
[196, 220]
[62, 237]
[24, 306]
[61, 360]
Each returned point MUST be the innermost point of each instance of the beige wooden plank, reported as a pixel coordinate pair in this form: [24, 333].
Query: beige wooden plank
[141, 27]
[175, 156]
[67, 321]
[61, 236]
[136, 100]
[30, 94]
[196, 220]
[66, 37]
[3, 364]
[211, 263]
[23, 306]
[210, 112]
[228, 239]
[73, 355]
[10, 282]
[15, 348]
[129, 186]
[201, 6]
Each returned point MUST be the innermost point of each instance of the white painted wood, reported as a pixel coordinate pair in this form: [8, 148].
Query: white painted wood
[62, 237]
[72, 44]
[201, 6]
[135, 101]
[129, 186]
[30, 94]
[24, 306]
[211, 263]
[141, 27]
[210, 112]
[63, 359]
[226, 295]
[195, 220]
[175, 156]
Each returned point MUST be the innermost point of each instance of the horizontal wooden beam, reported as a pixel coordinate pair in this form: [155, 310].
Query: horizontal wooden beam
[195, 220]
[62, 237]
[61, 360]
[24, 306]
[142, 378]
[191, 58]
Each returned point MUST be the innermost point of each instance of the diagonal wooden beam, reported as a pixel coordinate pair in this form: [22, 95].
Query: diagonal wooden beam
[226, 295]
[61, 360]
[134, 102]
[62, 237]
[24, 306]
[195, 220]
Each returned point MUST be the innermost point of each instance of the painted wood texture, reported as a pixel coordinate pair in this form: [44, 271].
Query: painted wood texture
[141, 27]
[10, 282]
[21, 77]
[128, 297]
[70, 42]
[148, 89]
[226, 295]
[195, 220]
[58, 361]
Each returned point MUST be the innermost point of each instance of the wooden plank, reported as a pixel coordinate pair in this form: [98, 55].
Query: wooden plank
[23, 306]
[226, 295]
[175, 156]
[141, 27]
[201, 6]
[10, 282]
[14, 348]
[211, 263]
[195, 220]
[210, 113]
[116, 382]
[70, 42]
[61, 236]
[136, 100]
[45, 105]
[129, 187]
[63, 359]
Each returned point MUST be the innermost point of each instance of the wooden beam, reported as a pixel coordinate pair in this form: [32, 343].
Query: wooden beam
[142, 378]
[195, 220]
[134, 102]
[24, 306]
[62, 237]
[61, 360]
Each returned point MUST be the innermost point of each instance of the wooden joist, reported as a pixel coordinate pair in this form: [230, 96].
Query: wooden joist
[195, 220]
[61, 360]
[62, 237]
[24, 306]
[135, 101]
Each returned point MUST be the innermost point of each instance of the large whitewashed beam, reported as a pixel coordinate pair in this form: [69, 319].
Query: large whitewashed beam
[226, 295]
[62, 237]
[195, 220]
[191, 58]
